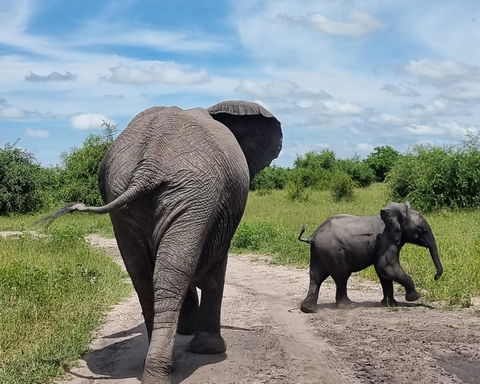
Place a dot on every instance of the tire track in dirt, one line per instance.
(270, 341)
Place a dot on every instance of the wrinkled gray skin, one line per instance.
(175, 183)
(343, 244)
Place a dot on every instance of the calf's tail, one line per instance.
(305, 240)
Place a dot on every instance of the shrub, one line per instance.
(381, 161)
(296, 189)
(359, 171)
(271, 177)
(316, 160)
(20, 186)
(80, 174)
(433, 178)
(314, 169)
(342, 186)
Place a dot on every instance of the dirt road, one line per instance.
(270, 341)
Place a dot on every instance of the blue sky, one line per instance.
(346, 75)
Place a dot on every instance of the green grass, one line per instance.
(272, 223)
(285, 218)
(54, 292)
(80, 223)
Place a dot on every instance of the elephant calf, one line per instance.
(343, 244)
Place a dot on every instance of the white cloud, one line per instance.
(39, 133)
(108, 33)
(364, 147)
(441, 72)
(464, 92)
(166, 72)
(386, 119)
(14, 14)
(400, 91)
(277, 89)
(424, 129)
(358, 24)
(52, 76)
(11, 112)
(85, 121)
(437, 107)
(450, 128)
(331, 107)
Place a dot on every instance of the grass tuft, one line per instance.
(53, 294)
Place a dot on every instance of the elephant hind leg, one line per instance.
(214, 258)
(137, 257)
(317, 277)
(181, 240)
(341, 297)
(207, 336)
(187, 322)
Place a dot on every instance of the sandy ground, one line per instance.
(270, 341)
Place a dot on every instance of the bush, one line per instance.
(311, 178)
(316, 160)
(269, 178)
(296, 189)
(80, 174)
(316, 170)
(381, 161)
(342, 186)
(21, 181)
(432, 178)
(359, 171)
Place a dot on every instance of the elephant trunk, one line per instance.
(432, 247)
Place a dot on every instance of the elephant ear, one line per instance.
(391, 220)
(399, 210)
(393, 215)
(257, 131)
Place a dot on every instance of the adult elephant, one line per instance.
(343, 244)
(175, 184)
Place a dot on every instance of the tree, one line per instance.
(316, 160)
(80, 174)
(381, 160)
(20, 181)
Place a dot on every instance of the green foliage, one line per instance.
(53, 294)
(432, 178)
(316, 160)
(358, 171)
(311, 178)
(20, 181)
(317, 169)
(271, 177)
(382, 160)
(51, 184)
(296, 189)
(342, 187)
(80, 175)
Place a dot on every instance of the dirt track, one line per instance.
(270, 341)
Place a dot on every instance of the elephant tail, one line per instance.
(305, 240)
(129, 195)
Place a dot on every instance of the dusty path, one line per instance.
(270, 341)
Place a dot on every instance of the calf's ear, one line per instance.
(391, 219)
